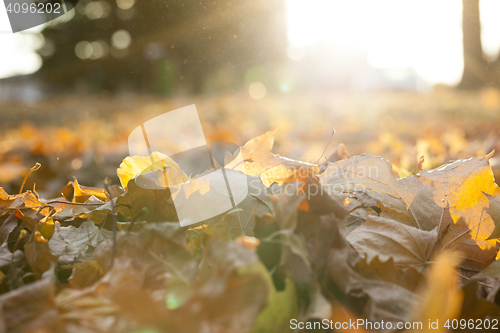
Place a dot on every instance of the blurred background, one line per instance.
(399, 79)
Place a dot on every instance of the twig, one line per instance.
(479, 282)
(75, 203)
(328, 144)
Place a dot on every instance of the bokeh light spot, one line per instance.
(121, 39)
(257, 90)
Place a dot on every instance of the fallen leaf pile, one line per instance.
(86, 136)
(344, 240)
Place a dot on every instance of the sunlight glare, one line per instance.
(490, 26)
(421, 34)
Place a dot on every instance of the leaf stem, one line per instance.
(326, 147)
(36, 167)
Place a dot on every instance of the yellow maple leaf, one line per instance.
(137, 165)
(256, 159)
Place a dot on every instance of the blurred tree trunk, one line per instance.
(476, 70)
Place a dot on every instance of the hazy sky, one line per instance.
(422, 34)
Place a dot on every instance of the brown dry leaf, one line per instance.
(133, 289)
(303, 233)
(156, 283)
(132, 167)
(229, 288)
(88, 311)
(7, 258)
(375, 299)
(85, 274)
(145, 204)
(313, 247)
(387, 271)
(165, 240)
(38, 254)
(31, 308)
(69, 212)
(9, 225)
(442, 299)
(286, 205)
(407, 246)
(138, 203)
(374, 176)
(450, 195)
(70, 241)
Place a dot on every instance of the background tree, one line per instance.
(475, 67)
(175, 45)
(478, 72)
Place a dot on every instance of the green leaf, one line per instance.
(282, 305)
